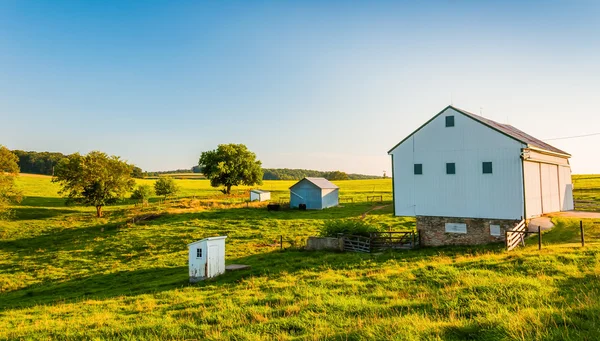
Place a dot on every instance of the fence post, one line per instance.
(412, 242)
(506, 239)
(281, 242)
(582, 233)
(539, 237)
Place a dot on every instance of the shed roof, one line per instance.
(209, 238)
(505, 129)
(259, 191)
(319, 182)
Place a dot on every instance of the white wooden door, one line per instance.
(533, 189)
(213, 260)
(550, 188)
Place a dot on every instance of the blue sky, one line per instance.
(319, 85)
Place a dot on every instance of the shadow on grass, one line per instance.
(341, 212)
(152, 280)
(101, 286)
(37, 213)
(43, 202)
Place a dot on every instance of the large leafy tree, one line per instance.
(231, 165)
(95, 179)
(9, 170)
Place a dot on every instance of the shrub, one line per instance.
(142, 192)
(165, 186)
(332, 228)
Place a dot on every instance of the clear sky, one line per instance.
(322, 85)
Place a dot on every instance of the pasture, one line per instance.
(65, 274)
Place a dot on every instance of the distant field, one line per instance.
(67, 275)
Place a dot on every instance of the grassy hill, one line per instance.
(67, 275)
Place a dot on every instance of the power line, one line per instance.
(571, 137)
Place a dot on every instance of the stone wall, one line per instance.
(432, 230)
(324, 243)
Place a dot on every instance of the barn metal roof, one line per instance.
(505, 129)
(319, 182)
(513, 132)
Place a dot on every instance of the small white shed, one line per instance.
(259, 195)
(206, 258)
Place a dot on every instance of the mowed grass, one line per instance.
(67, 275)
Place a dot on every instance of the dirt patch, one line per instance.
(364, 215)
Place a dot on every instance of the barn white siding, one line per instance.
(469, 192)
(403, 179)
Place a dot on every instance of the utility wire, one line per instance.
(571, 137)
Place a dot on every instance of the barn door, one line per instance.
(550, 188)
(533, 189)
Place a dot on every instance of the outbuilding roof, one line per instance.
(209, 238)
(259, 191)
(505, 129)
(319, 182)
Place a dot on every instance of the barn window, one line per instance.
(495, 230)
(198, 253)
(418, 168)
(487, 168)
(456, 228)
(450, 168)
(449, 121)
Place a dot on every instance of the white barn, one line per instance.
(206, 258)
(259, 195)
(467, 178)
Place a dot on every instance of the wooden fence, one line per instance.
(587, 205)
(393, 240)
(515, 236)
(357, 243)
(378, 241)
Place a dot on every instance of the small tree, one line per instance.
(9, 170)
(95, 179)
(142, 193)
(231, 165)
(165, 186)
(137, 172)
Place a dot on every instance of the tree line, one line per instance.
(45, 163)
(297, 174)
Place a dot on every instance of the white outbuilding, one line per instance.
(259, 195)
(206, 258)
(467, 178)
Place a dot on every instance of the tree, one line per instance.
(9, 170)
(165, 186)
(196, 169)
(142, 193)
(231, 165)
(95, 179)
(337, 175)
(137, 172)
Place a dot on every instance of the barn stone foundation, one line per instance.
(324, 243)
(432, 230)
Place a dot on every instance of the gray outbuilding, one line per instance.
(315, 193)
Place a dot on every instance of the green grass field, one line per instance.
(67, 275)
